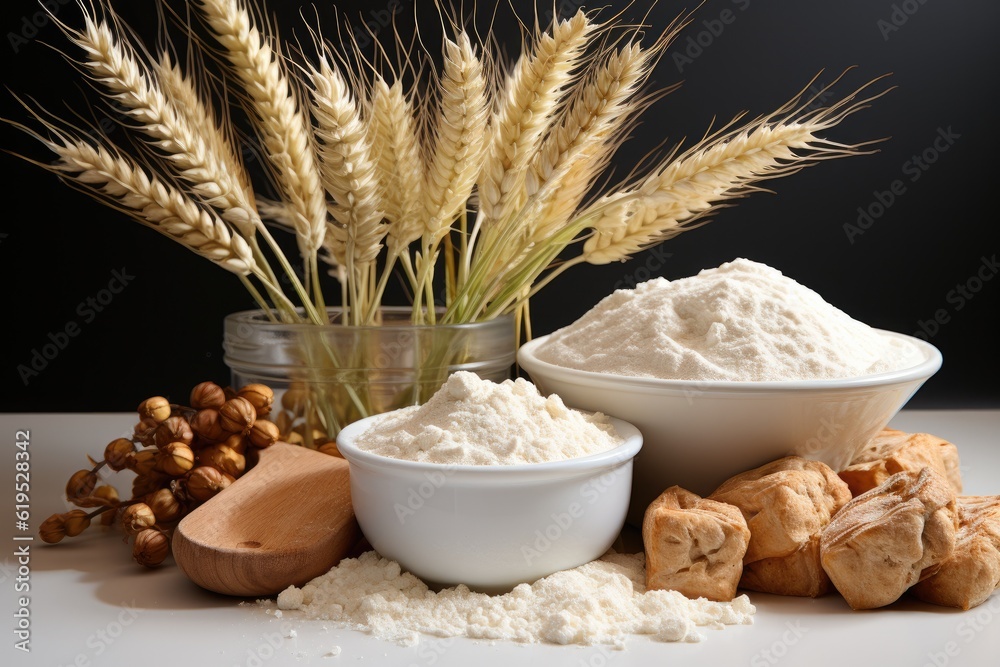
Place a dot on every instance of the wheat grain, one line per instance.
(346, 166)
(274, 106)
(393, 134)
(156, 204)
(459, 137)
(721, 167)
(114, 64)
(532, 94)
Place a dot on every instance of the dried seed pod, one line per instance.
(205, 482)
(208, 426)
(81, 485)
(295, 398)
(174, 429)
(238, 442)
(144, 430)
(108, 518)
(264, 433)
(261, 397)
(156, 408)
(107, 494)
(330, 448)
(137, 517)
(224, 459)
(175, 459)
(117, 452)
(151, 547)
(207, 395)
(52, 529)
(284, 421)
(145, 484)
(142, 461)
(237, 415)
(76, 521)
(165, 506)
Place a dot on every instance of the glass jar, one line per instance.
(325, 377)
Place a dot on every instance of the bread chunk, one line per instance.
(693, 545)
(893, 451)
(971, 573)
(786, 504)
(885, 540)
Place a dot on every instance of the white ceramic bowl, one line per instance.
(698, 434)
(490, 527)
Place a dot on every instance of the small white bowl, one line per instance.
(699, 434)
(490, 527)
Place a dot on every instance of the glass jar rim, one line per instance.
(257, 317)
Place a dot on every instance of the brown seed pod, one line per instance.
(156, 408)
(151, 547)
(107, 494)
(52, 529)
(144, 430)
(205, 482)
(264, 433)
(207, 395)
(81, 485)
(238, 442)
(76, 521)
(165, 506)
(208, 426)
(145, 484)
(142, 461)
(284, 421)
(237, 415)
(175, 459)
(117, 452)
(260, 396)
(137, 517)
(295, 398)
(174, 429)
(330, 448)
(224, 459)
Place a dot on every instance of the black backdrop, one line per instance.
(928, 251)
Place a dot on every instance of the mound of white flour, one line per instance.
(742, 321)
(601, 602)
(470, 421)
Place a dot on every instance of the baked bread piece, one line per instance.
(693, 545)
(887, 539)
(786, 504)
(893, 451)
(969, 576)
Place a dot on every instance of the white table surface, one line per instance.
(91, 605)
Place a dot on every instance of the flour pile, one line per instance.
(601, 602)
(470, 421)
(742, 321)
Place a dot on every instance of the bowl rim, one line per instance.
(932, 360)
(606, 460)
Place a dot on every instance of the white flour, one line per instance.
(742, 321)
(470, 421)
(601, 602)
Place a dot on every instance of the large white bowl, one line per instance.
(490, 527)
(698, 434)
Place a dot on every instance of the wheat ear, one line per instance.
(459, 137)
(115, 65)
(274, 107)
(118, 181)
(723, 166)
(393, 133)
(532, 94)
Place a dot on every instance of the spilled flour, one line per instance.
(601, 602)
(742, 321)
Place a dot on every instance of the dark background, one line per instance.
(162, 333)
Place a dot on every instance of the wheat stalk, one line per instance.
(284, 130)
(154, 203)
(723, 166)
(532, 95)
(395, 144)
(459, 137)
(114, 64)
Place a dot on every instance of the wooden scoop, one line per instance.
(286, 521)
